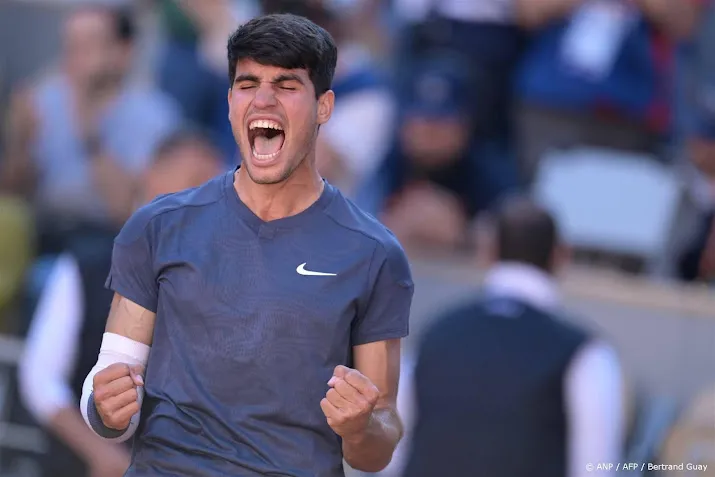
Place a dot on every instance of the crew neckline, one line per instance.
(257, 223)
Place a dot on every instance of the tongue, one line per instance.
(265, 146)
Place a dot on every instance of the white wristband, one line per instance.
(115, 349)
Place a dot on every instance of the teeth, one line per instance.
(264, 157)
(265, 124)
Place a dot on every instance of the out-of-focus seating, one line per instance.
(614, 202)
(16, 251)
(692, 439)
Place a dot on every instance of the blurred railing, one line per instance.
(14, 437)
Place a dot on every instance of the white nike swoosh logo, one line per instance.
(309, 273)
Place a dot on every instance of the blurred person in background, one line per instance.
(598, 73)
(184, 160)
(79, 140)
(360, 131)
(485, 34)
(695, 70)
(502, 385)
(697, 261)
(67, 328)
(192, 62)
(432, 183)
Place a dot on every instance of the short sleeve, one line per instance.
(132, 272)
(386, 313)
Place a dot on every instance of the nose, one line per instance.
(265, 96)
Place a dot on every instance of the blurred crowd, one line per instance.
(442, 108)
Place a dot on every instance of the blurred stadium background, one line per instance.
(442, 108)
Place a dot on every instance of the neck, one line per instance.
(284, 199)
(522, 281)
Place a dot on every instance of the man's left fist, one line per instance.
(350, 401)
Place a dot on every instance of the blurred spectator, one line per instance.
(78, 141)
(184, 160)
(68, 326)
(695, 70)
(598, 73)
(433, 183)
(485, 34)
(503, 386)
(698, 260)
(367, 22)
(351, 145)
(192, 67)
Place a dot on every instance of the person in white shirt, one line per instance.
(592, 386)
(62, 325)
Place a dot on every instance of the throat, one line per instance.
(277, 201)
(268, 144)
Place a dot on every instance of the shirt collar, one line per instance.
(522, 282)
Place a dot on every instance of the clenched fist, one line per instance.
(115, 394)
(350, 401)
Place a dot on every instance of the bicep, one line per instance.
(380, 363)
(130, 320)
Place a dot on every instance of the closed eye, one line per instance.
(288, 85)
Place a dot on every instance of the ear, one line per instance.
(326, 103)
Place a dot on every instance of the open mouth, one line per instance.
(266, 137)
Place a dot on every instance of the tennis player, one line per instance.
(256, 322)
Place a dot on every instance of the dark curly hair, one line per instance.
(286, 41)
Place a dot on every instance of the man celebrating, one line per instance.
(272, 308)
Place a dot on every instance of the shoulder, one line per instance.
(597, 354)
(597, 361)
(567, 328)
(388, 252)
(453, 320)
(166, 209)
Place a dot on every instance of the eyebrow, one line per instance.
(287, 77)
(246, 77)
(278, 79)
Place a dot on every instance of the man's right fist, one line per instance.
(115, 394)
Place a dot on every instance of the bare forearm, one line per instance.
(130, 320)
(373, 449)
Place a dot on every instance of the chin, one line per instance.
(259, 163)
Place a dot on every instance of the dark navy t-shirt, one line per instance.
(252, 318)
